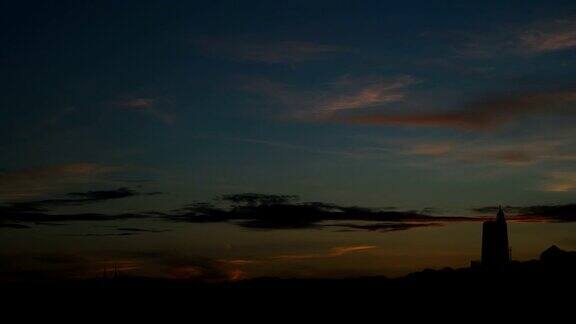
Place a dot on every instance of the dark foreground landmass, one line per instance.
(546, 280)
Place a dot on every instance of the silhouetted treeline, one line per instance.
(546, 280)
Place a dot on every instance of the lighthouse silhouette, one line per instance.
(495, 248)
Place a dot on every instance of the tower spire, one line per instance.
(495, 248)
(500, 216)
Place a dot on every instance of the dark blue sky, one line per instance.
(410, 104)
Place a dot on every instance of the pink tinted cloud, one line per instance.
(560, 182)
(356, 93)
(553, 36)
(340, 95)
(430, 149)
(334, 252)
(482, 116)
(150, 106)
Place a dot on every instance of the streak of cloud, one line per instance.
(482, 116)
(332, 253)
(150, 106)
(353, 93)
(271, 52)
(512, 153)
(32, 182)
(560, 182)
(553, 36)
(346, 93)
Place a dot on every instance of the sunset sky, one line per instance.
(430, 106)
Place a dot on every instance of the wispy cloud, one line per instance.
(234, 268)
(353, 93)
(238, 262)
(334, 252)
(346, 93)
(339, 251)
(539, 37)
(150, 106)
(560, 182)
(485, 115)
(288, 51)
(429, 149)
(80, 198)
(513, 153)
(552, 36)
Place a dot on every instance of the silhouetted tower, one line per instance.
(495, 249)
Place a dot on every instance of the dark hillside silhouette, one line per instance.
(553, 275)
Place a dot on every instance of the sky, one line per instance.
(376, 103)
(415, 105)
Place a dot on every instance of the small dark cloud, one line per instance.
(101, 234)
(494, 209)
(38, 181)
(16, 226)
(77, 199)
(558, 213)
(255, 199)
(104, 194)
(49, 224)
(39, 211)
(47, 217)
(386, 227)
(143, 230)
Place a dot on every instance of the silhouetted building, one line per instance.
(495, 249)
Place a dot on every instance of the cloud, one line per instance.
(346, 93)
(42, 217)
(353, 93)
(140, 230)
(526, 40)
(238, 261)
(73, 199)
(80, 198)
(264, 212)
(538, 213)
(38, 211)
(481, 116)
(519, 154)
(15, 226)
(549, 37)
(489, 149)
(430, 149)
(339, 251)
(32, 182)
(150, 106)
(332, 253)
(271, 52)
(561, 182)
(294, 215)
(388, 227)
